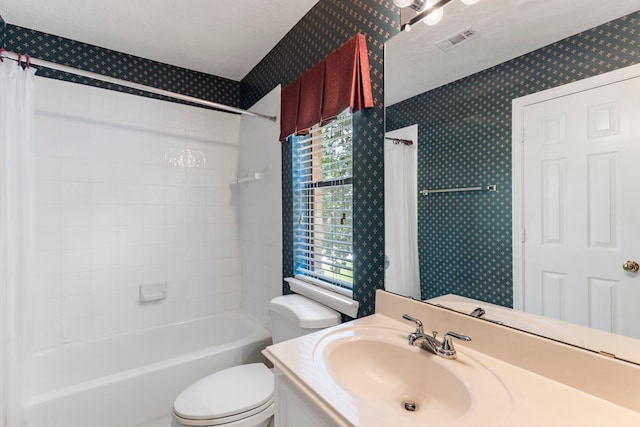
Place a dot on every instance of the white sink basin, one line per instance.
(406, 383)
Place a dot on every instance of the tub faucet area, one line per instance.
(443, 349)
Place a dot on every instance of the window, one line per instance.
(322, 200)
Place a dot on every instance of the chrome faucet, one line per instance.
(430, 342)
(478, 312)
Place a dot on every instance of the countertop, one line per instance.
(533, 400)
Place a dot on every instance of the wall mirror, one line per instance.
(453, 84)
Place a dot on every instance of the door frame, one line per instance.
(517, 160)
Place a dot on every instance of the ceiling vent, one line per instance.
(456, 39)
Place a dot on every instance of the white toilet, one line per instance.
(243, 396)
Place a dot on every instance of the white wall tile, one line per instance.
(47, 168)
(129, 320)
(76, 306)
(48, 238)
(153, 214)
(129, 256)
(48, 310)
(104, 171)
(129, 277)
(48, 137)
(174, 195)
(76, 193)
(104, 324)
(130, 214)
(104, 280)
(104, 215)
(153, 234)
(104, 302)
(75, 283)
(76, 215)
(129, 235)
(74, 261)
(104, 193)
(72, 169)
(47, 335)
(48, 192)
(122, 200)
(175, 117)
(153, 195)
(104, 236)
(104, 259)
(130, 194)
(128, 298)
(77, 238)
(76, 329)
(175, 175)
(48, 285)
(48, 262)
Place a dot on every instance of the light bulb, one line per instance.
(403, 3)
(469, 2)
(434, 17)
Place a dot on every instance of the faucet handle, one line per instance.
(446, 342)
(418, 323)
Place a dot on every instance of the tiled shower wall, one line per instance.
(130, 191)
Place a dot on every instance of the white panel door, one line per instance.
(581, 207)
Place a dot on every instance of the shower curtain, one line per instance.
(17, 227)
(401, 213)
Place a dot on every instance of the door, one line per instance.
(581, 207)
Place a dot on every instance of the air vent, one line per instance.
(456, 39)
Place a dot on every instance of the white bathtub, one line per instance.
(132, 379)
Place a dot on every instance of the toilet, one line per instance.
(243, 396)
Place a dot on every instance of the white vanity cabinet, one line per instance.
(294, 408)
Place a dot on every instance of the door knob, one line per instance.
(631, 266)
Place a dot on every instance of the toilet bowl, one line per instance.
(243, 396)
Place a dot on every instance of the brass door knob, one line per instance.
(631, 266)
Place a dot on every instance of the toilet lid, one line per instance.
(226, 393)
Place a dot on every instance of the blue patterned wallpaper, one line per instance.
(118, 65)
(465, 140)
(325, 28)
(2, 24)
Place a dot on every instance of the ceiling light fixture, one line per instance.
(428, 11)
(434, 17)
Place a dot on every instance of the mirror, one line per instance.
(460, 97)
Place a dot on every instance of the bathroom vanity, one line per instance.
(365, 373)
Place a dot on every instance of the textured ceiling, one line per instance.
(225, 38)
(506, 29)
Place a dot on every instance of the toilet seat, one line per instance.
(227, 396)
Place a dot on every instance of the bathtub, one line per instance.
(132, 379)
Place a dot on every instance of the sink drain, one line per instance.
(410, 406)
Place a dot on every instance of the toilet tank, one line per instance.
(291, 316)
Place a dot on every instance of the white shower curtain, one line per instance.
(17, 225)
(401, 213)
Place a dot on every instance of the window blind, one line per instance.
(322, 201)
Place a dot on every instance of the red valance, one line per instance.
(339, 82)
(311, 94)
(289, 109)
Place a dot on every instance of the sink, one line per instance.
(408, 384)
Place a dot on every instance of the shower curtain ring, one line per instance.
(1, 52)
(19, 59)
(28, 61)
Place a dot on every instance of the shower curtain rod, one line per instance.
(149, 89)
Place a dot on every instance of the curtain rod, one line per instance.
(149, 89)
